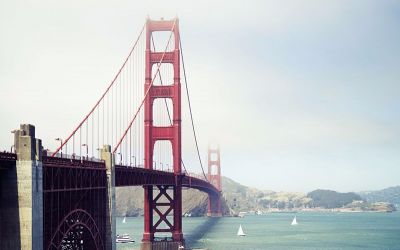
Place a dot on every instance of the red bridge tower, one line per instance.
(163, 203)
(214, 177)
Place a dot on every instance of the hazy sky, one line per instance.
(299, 94)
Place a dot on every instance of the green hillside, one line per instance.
(391, 195)
(331, 199)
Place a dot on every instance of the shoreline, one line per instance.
(289, 212)
(324, 210)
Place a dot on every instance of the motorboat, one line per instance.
(124, 238)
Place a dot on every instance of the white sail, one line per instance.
(124, 220)
(294, 222)
(240, 231)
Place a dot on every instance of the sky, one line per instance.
(299, 95)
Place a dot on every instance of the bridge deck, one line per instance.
(124, 175)
(134, 176)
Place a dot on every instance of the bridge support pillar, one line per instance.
(111, 227)
(161, 245)
(29, 187)
(214, 206)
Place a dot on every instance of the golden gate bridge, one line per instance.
(132, 136)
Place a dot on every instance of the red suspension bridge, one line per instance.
(132, 136)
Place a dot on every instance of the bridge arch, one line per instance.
(74, 227)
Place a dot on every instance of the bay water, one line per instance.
(273, 231)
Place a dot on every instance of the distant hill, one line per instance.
(239, 198)
(129, 202)
(391, 195)
(236, 198)
(331, 199)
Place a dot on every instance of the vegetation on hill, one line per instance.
(360, 206)
(331, 199)
(285, 200)
(239, 198)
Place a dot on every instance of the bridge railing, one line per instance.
(71, 156)
(197, 175)
(7, 156)
(167, 169)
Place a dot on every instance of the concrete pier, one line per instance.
(162, 245)
(22, 194)
(214, 206)
(111, 225)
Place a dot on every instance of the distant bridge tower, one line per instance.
(214, 177)
(163, 203)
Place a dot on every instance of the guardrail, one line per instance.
(7, 156)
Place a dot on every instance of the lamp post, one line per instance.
(120, 159)
(12, 146)
(87, 150)
(98, 152)
(61, 143)
(134, 159)
(47, 151)
(162, 169)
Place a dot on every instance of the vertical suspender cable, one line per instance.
(145, 95)
(166, 104)
(101, 98)
(190, 110)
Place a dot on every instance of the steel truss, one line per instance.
(74, 203)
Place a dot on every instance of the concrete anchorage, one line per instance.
(111, 230)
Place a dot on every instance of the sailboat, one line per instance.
(124, 220)
(294, 222)
(240, 231)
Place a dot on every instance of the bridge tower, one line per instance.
(162, 202)
(214, 177)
